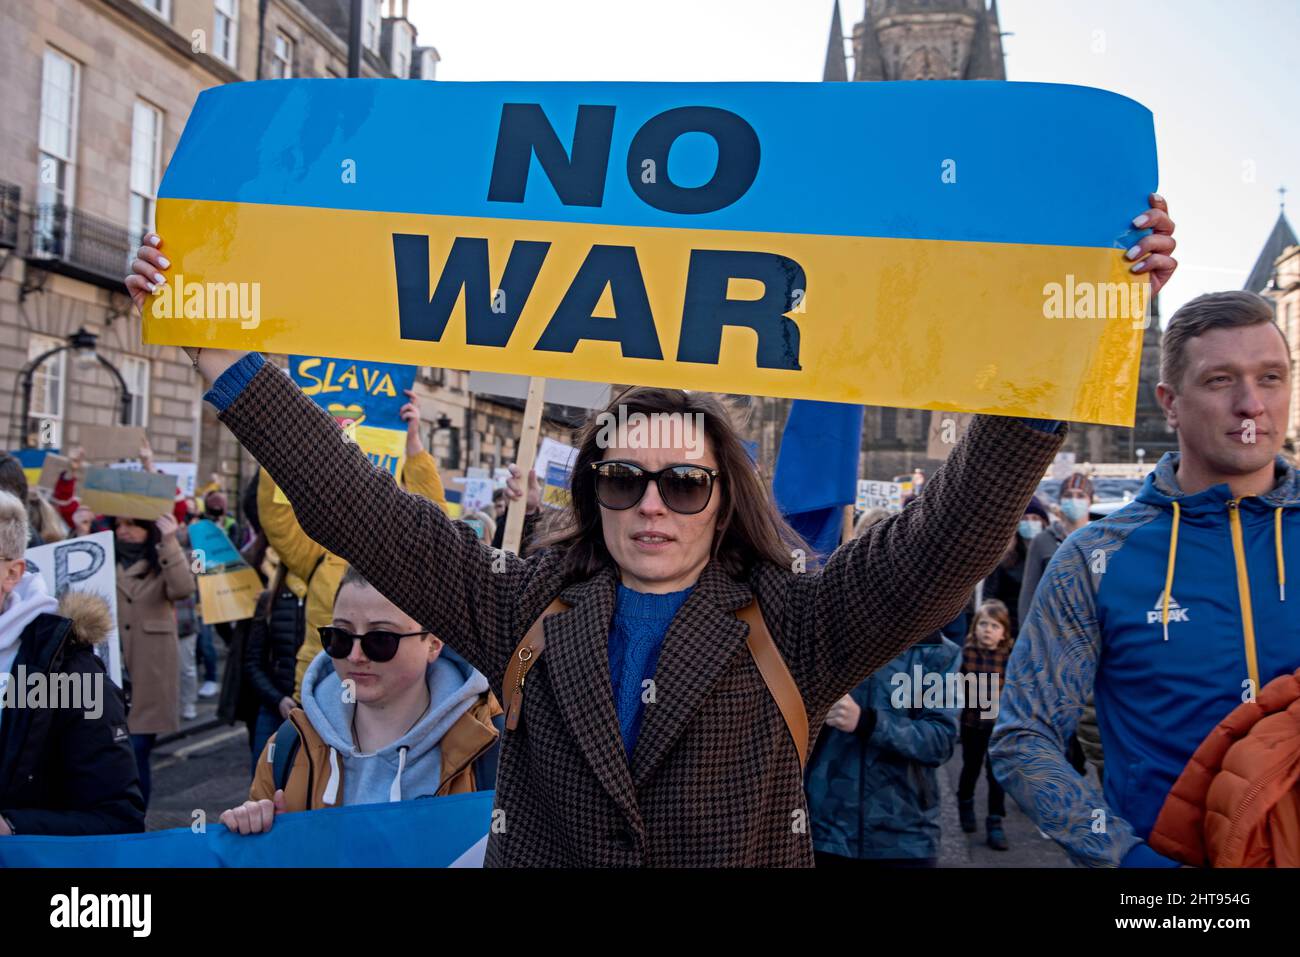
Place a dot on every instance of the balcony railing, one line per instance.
(65, 239)
(9, 206)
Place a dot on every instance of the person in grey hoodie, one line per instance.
(388, 714)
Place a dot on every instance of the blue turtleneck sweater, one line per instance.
(635, 640)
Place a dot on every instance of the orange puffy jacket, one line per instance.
(1237, 803)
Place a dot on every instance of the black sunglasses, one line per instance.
(377, 645)
(686, 489)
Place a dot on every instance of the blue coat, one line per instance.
(875, 795)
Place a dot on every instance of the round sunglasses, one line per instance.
(377, 645)
(686, 489)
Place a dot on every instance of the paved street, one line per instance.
(1028, 847)
(207, 770)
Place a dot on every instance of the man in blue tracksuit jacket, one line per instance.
(1172, 610)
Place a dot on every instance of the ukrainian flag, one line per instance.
(940, 245)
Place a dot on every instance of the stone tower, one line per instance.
(962, 40)
(928, 40)
(913, 40)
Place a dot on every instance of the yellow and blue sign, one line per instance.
(364, 398)
(942, 245)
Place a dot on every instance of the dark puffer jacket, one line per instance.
(62, 770)
(271, 654)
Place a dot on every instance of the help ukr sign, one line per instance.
(903, 244)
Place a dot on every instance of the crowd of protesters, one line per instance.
(697, 692)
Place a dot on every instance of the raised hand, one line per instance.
(1152, 254)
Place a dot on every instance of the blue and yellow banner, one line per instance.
(364, 398)
(942, 245)
(228, 585)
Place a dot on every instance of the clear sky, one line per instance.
(1221, 77)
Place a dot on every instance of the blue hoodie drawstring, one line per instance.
(1169, 573)
(395, 790)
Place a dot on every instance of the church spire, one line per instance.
(1282, 237)
(986, 48)
(835, 69)
(868, 58)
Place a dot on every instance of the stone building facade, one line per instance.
(98, 93)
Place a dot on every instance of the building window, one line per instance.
(160, 8)
(146, 163)
(370, 29)
(281, 57)
(46, 410)
(57, 144)
(135, 370)
(225, 31)
(888, 424)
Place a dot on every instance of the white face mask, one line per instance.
(1029, 527)
(1074, 509)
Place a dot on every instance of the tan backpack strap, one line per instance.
(522, 658)
(777, 677)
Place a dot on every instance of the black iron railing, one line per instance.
(97, 250)
(10, 195)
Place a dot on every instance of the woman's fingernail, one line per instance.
(157, 277)
(1158, 198)
(164, 262)
(153, 240)
(150, 285)
(1139, 267)
(1133, 253)
(1141, 220)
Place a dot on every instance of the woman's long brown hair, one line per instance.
(750, 527)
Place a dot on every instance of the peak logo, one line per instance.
(1176, 611)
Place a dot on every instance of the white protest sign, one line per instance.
(880, 495)
(477, 496)
(551, 451)
(85, 564)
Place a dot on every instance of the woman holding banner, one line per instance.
(662, 712)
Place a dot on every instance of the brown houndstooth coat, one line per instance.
(714, 779)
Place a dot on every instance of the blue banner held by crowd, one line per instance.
(430, 832)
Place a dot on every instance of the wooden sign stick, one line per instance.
(526, 455)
